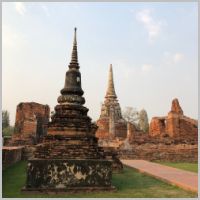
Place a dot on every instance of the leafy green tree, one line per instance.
(5, 119)
(7, 130)
(143, 121)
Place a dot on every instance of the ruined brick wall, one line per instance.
(30, 124)
(31, 118)
(174, 125)
(180, 126)
(121, 129)
(11, 155)
(133, 133)
(157, 126)
(162, 152)
(103, 128)
(188, 128)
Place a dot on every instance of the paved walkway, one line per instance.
(184, 179)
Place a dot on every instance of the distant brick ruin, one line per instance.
(170, 138)
(111, 123)
(174, 125)
(30, 124)
(30, 128)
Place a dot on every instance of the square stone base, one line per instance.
(62, 175)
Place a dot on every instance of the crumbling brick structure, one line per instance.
(69, 158)
(171, 138)
(174, 125)
(111, 123)
(31, 123)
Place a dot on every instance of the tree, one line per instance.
(143, 121)
(130, 115)
(5, 119)
(7, 130)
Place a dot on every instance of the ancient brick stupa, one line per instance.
(69, 159)
(111, 122)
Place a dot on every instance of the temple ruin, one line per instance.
(69, 158)
(111, 123)
(30, 124)
(175, 125)
(171, 138)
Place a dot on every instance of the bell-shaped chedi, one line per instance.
(69, 157)
(111, 122)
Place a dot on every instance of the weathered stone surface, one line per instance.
(31, 123)
(11, 155)
(69, 147)
(111, 123)
(157, 126)
(162, 152)
(21, 140)
(175, 125)
(133, 132)
(172, 138)
(181, 127)
(69, 157)
(32, 118)
(61, 174)
(111, 154)
(176, 108)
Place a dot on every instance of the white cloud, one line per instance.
(178, 57)
(46, 10)
(20, 8)
(152, 26)
(146, 67)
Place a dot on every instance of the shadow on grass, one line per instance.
(130, 183)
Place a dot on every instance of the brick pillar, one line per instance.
(111, 123)
(173, 125)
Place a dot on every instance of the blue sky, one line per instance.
(152, 46)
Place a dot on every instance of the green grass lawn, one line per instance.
(193, 167)
(130, 183)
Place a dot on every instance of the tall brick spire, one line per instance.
(111, 117)
(74, 57)
(111, 89)
(72, 79)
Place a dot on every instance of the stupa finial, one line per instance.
(111, 89)
(74, 58)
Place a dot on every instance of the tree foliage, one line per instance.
(130, 115)
(7, 130)
(143, 122)
(5, 119)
